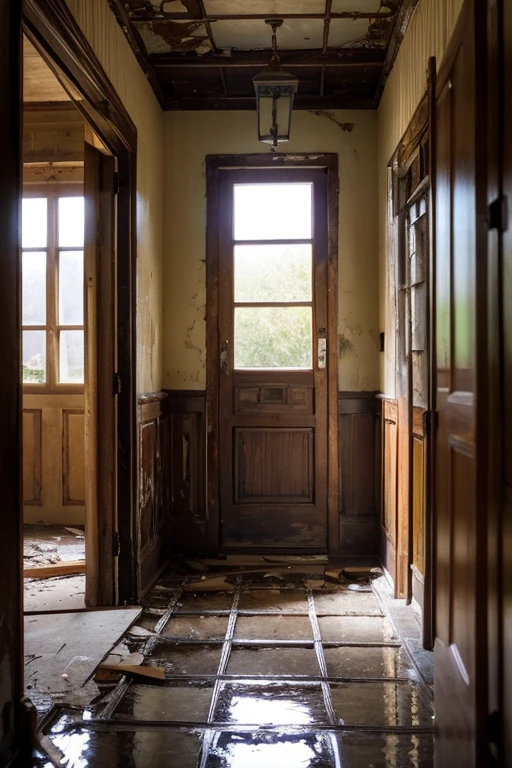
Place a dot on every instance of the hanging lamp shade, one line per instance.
(275, 90)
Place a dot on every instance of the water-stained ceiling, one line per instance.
(203, 54)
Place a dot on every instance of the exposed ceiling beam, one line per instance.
(219, 103)
(146, 17)
(358, 58)
(137, 46)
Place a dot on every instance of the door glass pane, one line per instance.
(71, 288)
(273, 273)
(34, 357)
(71, 222)
(273, 337)
(71, 357)
(34, 288)
(272, 211)
(34, 222)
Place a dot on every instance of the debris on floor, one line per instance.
(63, 650)
(274, 667)
(53, 567)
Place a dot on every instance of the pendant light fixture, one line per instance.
(275, 90)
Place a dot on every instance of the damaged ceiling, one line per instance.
(203, 54)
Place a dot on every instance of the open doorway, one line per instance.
(53, 341)
(78, 365)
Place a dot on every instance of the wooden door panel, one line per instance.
(274, 466)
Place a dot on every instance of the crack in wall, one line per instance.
(347, 127)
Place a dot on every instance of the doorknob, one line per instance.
(224, 357)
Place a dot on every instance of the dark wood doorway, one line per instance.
(111, 248)
(271, 368)
(464, 349)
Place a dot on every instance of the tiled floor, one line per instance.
(270, 674)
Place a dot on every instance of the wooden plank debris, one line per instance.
(65, 568)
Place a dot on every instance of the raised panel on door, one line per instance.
(274, 465)
(32, 469)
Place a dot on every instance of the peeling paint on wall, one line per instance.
(193, 135)
(348, 127)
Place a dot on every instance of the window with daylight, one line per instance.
(273, 275)
(53, 290)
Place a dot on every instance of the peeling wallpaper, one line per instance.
(428, 35)
(189, 137)
(108, 42)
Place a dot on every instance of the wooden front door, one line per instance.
(273, 332)
(461, 443)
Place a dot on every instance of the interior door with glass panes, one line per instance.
(53, 353)
(272, 325)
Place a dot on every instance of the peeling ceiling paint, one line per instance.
(202, 54)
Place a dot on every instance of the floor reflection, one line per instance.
(257, 677)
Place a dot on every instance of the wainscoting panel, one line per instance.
(73, 478)
(32, 457)
(389, 485)
(186, 411)
(152, 522)
(359, 473)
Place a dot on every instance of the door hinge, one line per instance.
(116, 544)
(497, 214)
(117, 183)
(117, 385)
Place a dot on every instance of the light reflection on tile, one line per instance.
(271, 704)
(284, 715)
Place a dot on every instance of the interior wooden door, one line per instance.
(461, 451)
(273, 333)
(100, 365)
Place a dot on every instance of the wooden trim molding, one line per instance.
(14, 734)
(50, 24)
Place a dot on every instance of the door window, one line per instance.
(273, 276)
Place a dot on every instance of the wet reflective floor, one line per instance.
(256, 676)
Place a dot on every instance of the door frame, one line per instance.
(52, 28)
(11, 584)
(214, 165)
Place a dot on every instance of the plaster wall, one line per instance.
(108, 42)
(189, 137)
(428, 34)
